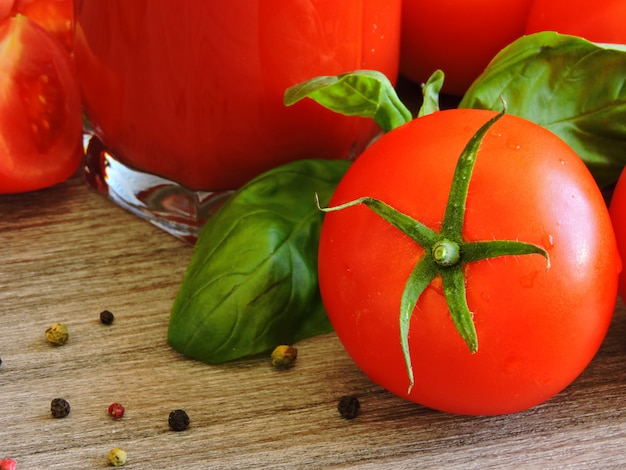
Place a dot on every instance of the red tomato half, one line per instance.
(618, 217)
(55, 16)
(40, 109)
(459, 37)
(5, 8)
(537, 328)
(602, 21)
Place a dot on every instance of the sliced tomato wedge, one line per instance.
(6, 6)
(40, 108)
(55, 16)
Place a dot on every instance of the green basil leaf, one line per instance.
(571, 86)
(430, 93)
(364, 93)
(252, 281)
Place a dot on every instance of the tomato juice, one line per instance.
(193, 90)
(459, 37)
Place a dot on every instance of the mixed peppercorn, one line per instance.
(117, 457)
(349, 406)
(178, 420)
(282, 356)
(60, 408)
(57, 334)
(8, 464)
(116, 410)
(106, 317)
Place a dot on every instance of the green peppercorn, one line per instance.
(178, 420)
(106, 317)
(60, 408)
(117, 457)
(57, 334)
(283, 356)
(349, 406)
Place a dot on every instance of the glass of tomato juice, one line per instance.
(185, 97)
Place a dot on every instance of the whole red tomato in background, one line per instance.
(537, 328)
(617, 210)
(603, 21)
(40, 108)
(457, 36)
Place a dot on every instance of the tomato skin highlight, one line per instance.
(40, 109)
(537, 328)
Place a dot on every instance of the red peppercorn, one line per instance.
(8, 464)
(116, 410)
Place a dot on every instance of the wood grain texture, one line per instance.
(66, 254)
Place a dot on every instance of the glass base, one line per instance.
(168, 205)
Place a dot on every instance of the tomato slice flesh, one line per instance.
(40, 110)
(55, 16)
(43, 104)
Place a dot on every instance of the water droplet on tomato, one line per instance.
(513, 144)
(528, 280)
(548, 241)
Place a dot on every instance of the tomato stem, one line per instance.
(446, 253)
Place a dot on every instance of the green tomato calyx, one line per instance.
(445, 252)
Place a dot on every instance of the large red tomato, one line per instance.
(40, 108)
(537, 326)
(459, 37)
(602, 21)
(618, 217)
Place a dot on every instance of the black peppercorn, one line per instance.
(349, 407)
(59, 408)
(178, 420)
(106, 317)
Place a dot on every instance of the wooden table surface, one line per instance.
(66, 254)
